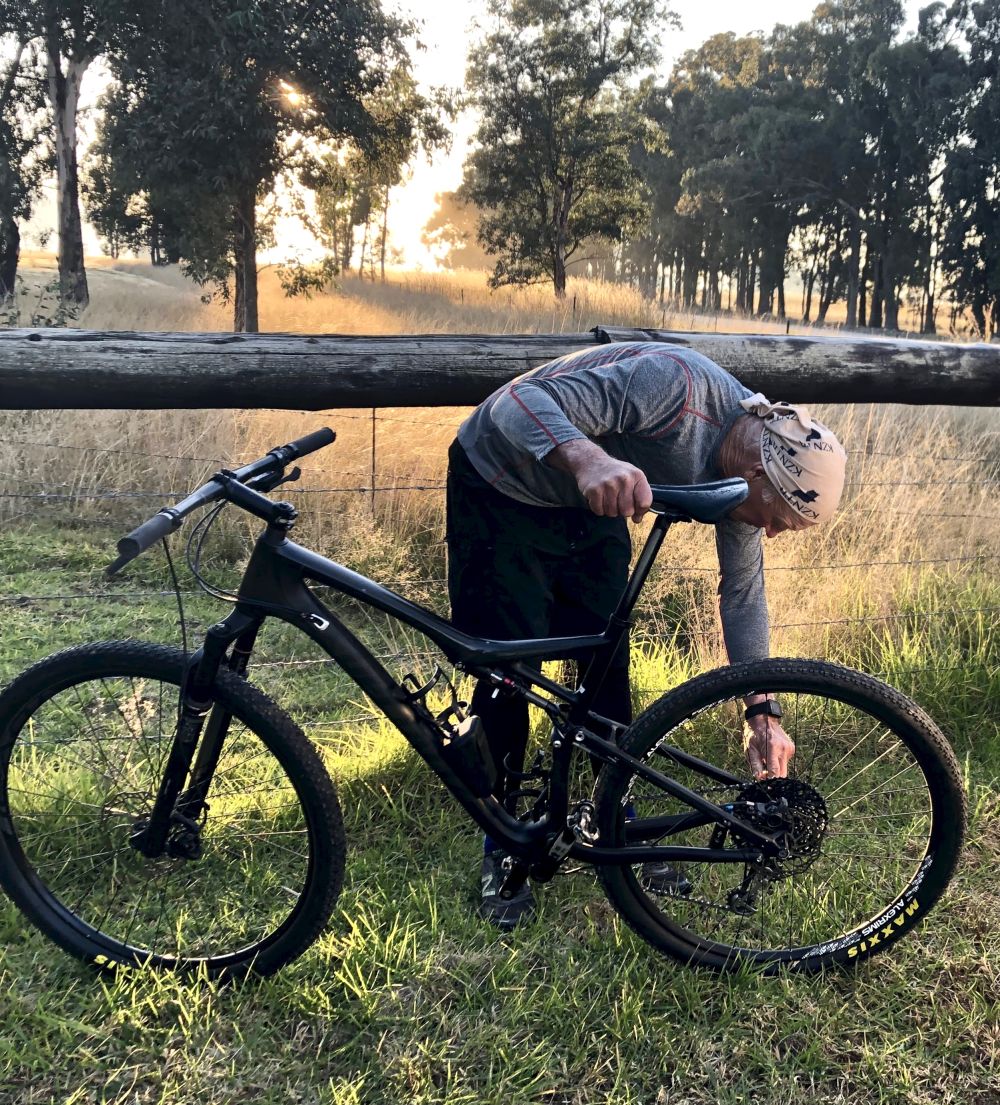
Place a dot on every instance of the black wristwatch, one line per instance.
(771, 707)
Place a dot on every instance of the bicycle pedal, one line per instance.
(515, 879)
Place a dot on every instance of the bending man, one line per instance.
(542, 478)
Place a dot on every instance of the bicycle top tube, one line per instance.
(265, 582)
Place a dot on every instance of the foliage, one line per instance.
(214, 100)
(351, 182)
(43, 305)
(71, 34)
(552, 170)
(453, 227)
(297, 278)
(971, 249)
(820, 147)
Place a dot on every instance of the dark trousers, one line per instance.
(521, 571)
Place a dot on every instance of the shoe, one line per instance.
(505, 914)
(664, 878)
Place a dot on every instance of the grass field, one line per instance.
(408, 998)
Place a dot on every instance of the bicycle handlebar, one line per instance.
(169, 518)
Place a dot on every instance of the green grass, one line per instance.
(409, 998)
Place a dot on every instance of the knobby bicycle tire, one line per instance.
(83, 739)
(874, 807)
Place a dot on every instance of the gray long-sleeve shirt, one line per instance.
(664, 409)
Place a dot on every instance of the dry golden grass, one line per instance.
(918, 482)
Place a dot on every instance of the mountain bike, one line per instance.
(157, 808)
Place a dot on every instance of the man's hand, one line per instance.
(769, 749)
(612, 488)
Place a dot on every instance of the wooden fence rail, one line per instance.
(61, 368)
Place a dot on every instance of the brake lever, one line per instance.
(267, 482)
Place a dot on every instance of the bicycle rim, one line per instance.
(871, 818)
(80, 767)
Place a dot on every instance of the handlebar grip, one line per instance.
(132, 544)
(310, 443)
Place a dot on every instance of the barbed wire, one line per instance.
(913, 615)
(102, 495)
(110, 496)
(442, 580)
(859, 452)
(844, 567)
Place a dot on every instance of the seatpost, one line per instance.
(618, 624)
(626, 604)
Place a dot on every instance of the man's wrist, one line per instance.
(761, 711)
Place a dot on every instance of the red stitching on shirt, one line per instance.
(534, 417)
(687, 408)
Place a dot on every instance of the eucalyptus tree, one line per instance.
(971, 185)
(22, 151)
(554, 80)
(124, 211)
(72, 34)
(352, 181)
(215, 96)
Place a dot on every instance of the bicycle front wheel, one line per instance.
(871, 818)
(84, 737)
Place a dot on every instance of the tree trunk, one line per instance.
(928, 317)
(929, 321)
(559, 271)
(715, 291)
(385, 234)
(809, 282)
(64, 93)
(853, 274)
(364, 250)
(10, 252)
(863, 290)
(891, 302)
(245, 319)
(875, 314)
(689, 291)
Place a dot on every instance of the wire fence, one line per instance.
(961, 496)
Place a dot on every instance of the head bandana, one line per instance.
(802, 457)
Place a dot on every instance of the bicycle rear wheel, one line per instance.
(84, 736)
(872, 815)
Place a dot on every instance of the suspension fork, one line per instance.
(192, 802)
(195, 705)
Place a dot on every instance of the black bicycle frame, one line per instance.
(275, 584)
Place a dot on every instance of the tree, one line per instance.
(553, 166)
(21, 159)
(215, 95)
(971, 184)
(72, 35)
(352, 183)
(453, 228)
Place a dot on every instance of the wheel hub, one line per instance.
(795, 814)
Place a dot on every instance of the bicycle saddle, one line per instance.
(704, 502)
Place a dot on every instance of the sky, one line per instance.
(446, 30)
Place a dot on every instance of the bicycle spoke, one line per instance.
(93, 757)
(875, 830)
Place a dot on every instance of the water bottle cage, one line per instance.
(447, 720)
(463, 746)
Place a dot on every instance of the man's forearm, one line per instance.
(611, 488)
(574, 456)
